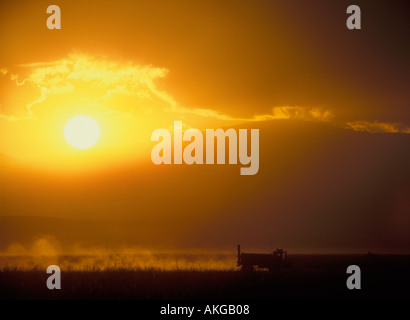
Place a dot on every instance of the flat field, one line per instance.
(308, 277)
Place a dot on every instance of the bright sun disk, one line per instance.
(82, 132)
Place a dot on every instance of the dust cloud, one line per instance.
(46, 250)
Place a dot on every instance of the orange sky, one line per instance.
(331, 104)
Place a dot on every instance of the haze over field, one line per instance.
(318, 188)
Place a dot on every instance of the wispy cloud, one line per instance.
(103, 80)
(375, 127)
(296, 113)
(80, 71)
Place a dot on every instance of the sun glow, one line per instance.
(82, 132)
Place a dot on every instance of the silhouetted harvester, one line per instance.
(272, 261)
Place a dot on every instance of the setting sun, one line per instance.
(82, 132)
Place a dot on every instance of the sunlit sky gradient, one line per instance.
(290, 68)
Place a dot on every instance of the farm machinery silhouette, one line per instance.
(273, 261)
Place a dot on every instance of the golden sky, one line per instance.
(202, 62)
(291, 68)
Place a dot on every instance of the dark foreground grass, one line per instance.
(309, 277)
